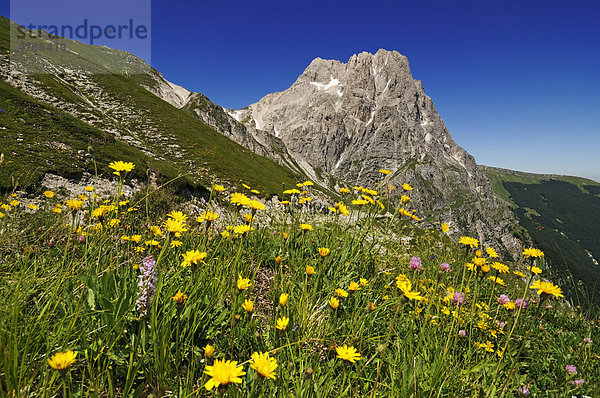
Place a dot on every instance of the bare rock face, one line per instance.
(351, 119)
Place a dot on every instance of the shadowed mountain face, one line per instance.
(564, 221)
(351, 119)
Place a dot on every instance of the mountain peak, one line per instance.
(351, 119)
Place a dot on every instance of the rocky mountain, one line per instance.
(351, 119)
(337, 125)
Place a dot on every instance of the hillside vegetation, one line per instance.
(562, 216)
(141, 296)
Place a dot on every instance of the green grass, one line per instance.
(67, 284)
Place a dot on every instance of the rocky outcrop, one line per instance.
(351, 119)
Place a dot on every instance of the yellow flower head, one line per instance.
(175, 226)
(89, 188)
(31, 206)
(497, 280)
(248, 305)
(283, 299)
(491, 252)
(242, 229)
(323, 251)
(385, 171)
(467, 241)
(344, 190)
(364, 282)
(531, 252)
(519, 273)
(487, 346)
(282, 323)
(255, 205)
(353, 286)
(306, 227)
(219, 188)
(209, 351)
(278, 259)
(243, 283)
(347, 353)
(239, 199)
(413, 295)
(343, 209)
(62, 360)
(445, 227)
(502, 268)
(407, 187)
(264, 364)
(334, 302)
(49, 194)
(156, 230)
(360, 202)
(479, 261)
(193, 257)
(341, 292)
(74, 204)
(120, 166)
(223, 372)
(403, 283)
(310, 270)
(178, 216)
(405, 199)
(547, 288)
(534, 270)
(179, 297)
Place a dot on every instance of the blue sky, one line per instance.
(516, 82)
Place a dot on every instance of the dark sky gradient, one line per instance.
(516, 82)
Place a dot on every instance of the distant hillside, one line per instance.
(63, 120)
(562, 216)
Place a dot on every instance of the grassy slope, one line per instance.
(499, 176)
(562, 216)
(204, 151)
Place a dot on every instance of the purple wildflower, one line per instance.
(587, 340)
(432, 257)
(521, 303)
(571, 369)
(458, 298)
(415, 264)
(577, 382)
(81, 239)
(523, 391)
(500, 324)
(445, 267)
(503, 299)
(462, 333)
(146, 285)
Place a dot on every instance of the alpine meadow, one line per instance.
(328, 240)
